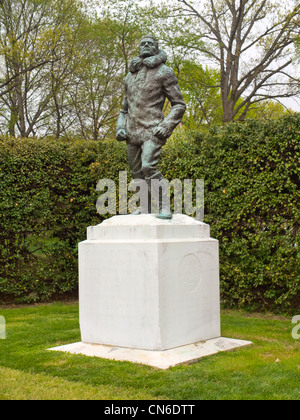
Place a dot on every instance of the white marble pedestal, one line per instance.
(149, 292)
(149, 284)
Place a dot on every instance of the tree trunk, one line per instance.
(20, 104)
(228, 111)
(13, 115)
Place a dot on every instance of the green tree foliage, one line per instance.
(200, 87)
(36, 37)
(63, 67)
(267, 110)
(109, 42)
(63, 63)
(297, 45)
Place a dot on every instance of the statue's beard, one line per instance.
(150, 61)
(148, 53)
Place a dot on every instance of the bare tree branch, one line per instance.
(236, 28)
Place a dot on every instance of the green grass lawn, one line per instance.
(270, 369)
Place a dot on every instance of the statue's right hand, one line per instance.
(121, 135)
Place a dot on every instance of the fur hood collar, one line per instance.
(151, 62)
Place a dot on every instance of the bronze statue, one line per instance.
(141, 121)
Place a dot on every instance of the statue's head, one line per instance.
(148, 46)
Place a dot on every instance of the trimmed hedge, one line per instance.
(47, 200)
(251, 173)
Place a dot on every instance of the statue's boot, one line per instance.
(164, 213)
(145, 203)
(162, 193)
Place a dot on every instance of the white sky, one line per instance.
(291, 103)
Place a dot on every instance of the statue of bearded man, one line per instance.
(141, 121)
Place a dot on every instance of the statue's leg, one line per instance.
(134, 156)
(150, 156)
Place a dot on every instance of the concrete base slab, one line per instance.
(159, 359)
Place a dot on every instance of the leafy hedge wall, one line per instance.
(252, 202)
(47, 199)
(254, 209)
(251, 173)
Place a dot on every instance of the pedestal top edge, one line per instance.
(148, 226)
(150, 219)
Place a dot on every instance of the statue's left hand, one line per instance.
(162, 133)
